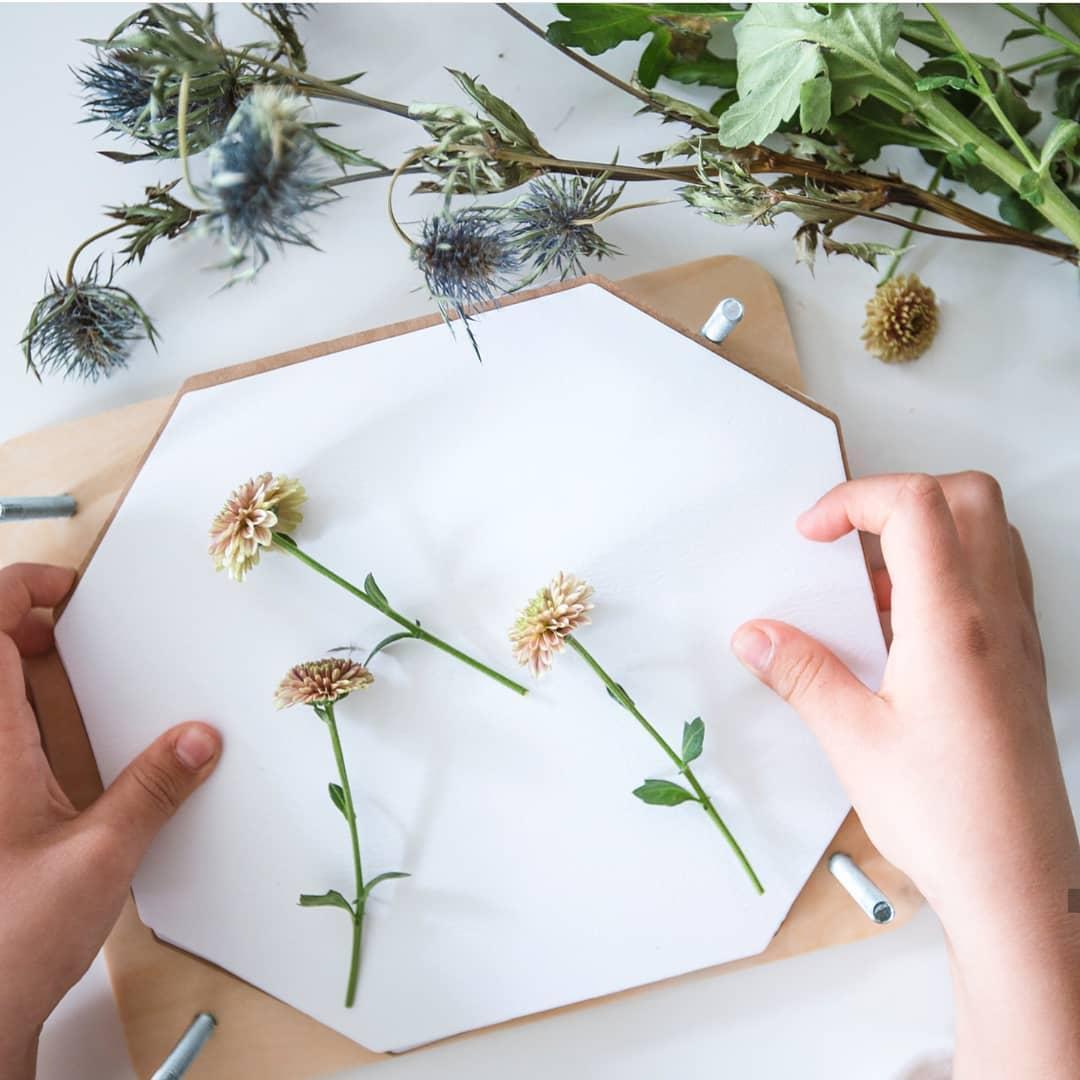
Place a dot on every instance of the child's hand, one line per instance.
(64, 875)
(952, 764)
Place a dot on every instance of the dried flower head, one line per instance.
(467, 257)
(321, 682)
(131, 100)
(553, 222)
(262, 178)
(84, 329)
(901, 320)
(251, 516)
(555, 612)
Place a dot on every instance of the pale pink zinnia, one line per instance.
(554, 613)
(321, 682)
(251, 515)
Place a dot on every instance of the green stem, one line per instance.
(624, 699)
(417, 631)
(350, 814)
(1042, 58)
(906, 235)
(1046, 31)
(974, 69)
(69, 275)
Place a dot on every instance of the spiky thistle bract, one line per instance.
(84, 329)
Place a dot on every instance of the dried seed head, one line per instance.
(251, 516)
(554, 613)
(85, 329)
(321, 682)
(901, 320)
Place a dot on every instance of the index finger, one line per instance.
(910, 513)
(25, 586)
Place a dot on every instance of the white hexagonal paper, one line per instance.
(592, 439)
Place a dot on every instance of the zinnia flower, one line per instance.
(554, 613)
(549, 222)
(262, 178)
(84, 328)
(321, 682)
(252, 514)
(901, 320)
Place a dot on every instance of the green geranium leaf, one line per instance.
(851, 49)
(599, 27)
(663, 793)
(707, 70)
(693, 740)
(927, 35)
(1020, 214)
(389, 875)
(327, 899)
(873, 125)
(656, 58)
(337, 797)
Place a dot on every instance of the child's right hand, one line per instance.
(952, 764)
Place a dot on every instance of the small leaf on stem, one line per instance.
(389, 875)
(327, 899)
(693, 739)
(337, 797)
(371, 587)
(664, 793)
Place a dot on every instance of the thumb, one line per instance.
(810, 678)
(154, 786)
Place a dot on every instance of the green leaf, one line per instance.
(387, 876)
(1061, 139)
(927, 35)
(337, 797)
(656, 58)
(815, 104)
(599, 27)
(371, 587)
(327, 899)
(707, 70)
(952, 82)
(1067, 93)
(1019, 34)
(388, 640)
(663, 793)
(1020, 214)
(782, 46)
(693, 740)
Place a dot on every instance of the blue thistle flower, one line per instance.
(84, 329)
(262, 177)
(548, 223)
(130, 100)
(467, 258)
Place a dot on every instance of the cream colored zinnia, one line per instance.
(554, 613)
(321, 682)
(251, 515)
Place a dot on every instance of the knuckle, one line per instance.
(799, 675)
(922, 488)
(161, 788)
(975, 634)
(982, 489)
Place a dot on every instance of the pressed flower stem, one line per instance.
(894, 263)
(326, 711)
(414, 628)
(624, 699)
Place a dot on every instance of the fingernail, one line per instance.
(753, 647)
(195, 747)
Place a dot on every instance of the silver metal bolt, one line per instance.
(861, 889)
(29, 509)
(185, 1051)
(725, 317)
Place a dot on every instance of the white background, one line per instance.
(1000, 391)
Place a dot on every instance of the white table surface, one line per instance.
(1000, 391)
